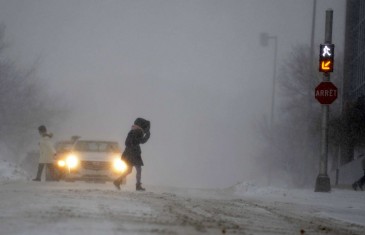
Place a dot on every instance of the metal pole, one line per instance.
(338, 164)
(337, 179)
(323, 181)
(313, 31)
(273, 83)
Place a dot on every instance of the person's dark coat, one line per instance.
(132, 152)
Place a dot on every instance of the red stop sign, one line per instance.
(326, 92)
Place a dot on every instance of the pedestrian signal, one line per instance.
(326, 55)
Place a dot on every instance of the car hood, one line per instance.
(96, 156)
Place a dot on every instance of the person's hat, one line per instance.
(143, 123)
(42, 129)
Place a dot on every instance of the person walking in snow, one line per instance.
(46, 154)
(359, 183)
(139, 134)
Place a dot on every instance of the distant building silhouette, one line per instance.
(354, 65)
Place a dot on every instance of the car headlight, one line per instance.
(119, 165)
(61, 163)
(72, 161)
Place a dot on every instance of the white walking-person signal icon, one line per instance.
(326, 51)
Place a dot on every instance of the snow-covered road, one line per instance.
(86, 208)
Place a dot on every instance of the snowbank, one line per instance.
(348, 173)
(251, 189)
(9, 171)
(341, 204)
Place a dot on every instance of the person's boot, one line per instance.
(117, 184)
(39, 172)
(139, 187)
(354, 186)
(360, 186)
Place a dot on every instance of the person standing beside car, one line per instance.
(139, 134)
(46, 154)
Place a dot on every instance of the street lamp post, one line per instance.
(264, 39)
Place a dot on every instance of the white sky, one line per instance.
(194, 68)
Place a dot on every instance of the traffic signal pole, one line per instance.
(323, 181)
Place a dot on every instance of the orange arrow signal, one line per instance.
(326, 65)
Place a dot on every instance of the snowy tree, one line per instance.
(24, 103)
(293, 142)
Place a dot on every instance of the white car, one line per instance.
(90, 160)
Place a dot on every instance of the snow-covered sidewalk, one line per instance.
(340, 204)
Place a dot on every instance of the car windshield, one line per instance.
(63, 146)
(96, 146)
